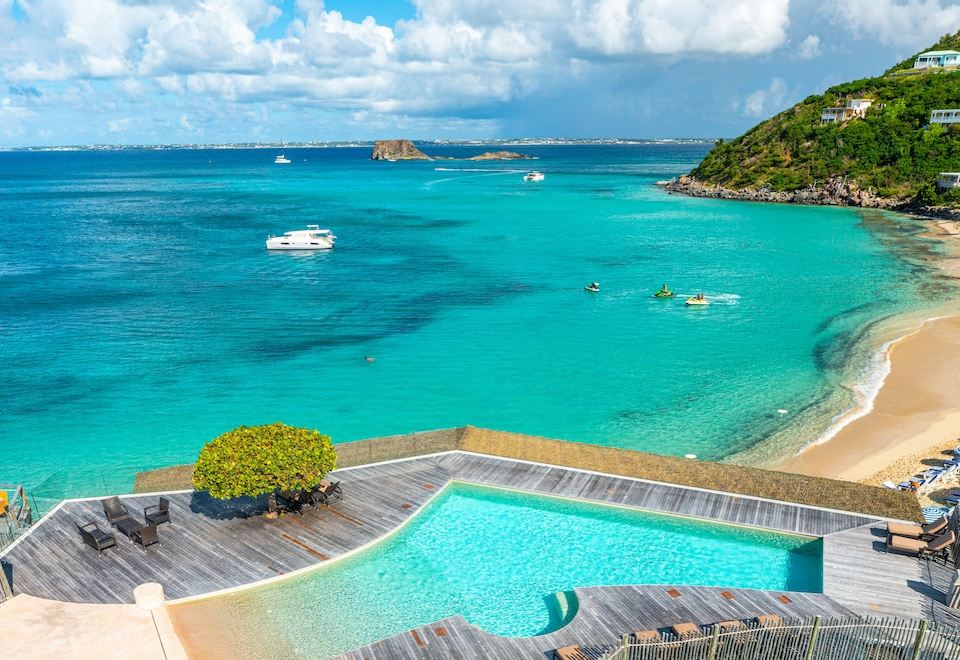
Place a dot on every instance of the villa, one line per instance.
(937, 59)
(948, 180)
(826, 574)
(948, 116)
(853, 108)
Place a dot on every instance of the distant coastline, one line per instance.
(353, 144)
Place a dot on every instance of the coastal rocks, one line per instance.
(501, 155)
(397, 150)
(835, 191)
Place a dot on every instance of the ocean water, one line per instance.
(497, 558)
(141, 316)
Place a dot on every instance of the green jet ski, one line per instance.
(664, 292)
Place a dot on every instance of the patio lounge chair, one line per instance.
(687, 629)
(912, 531)
(146, 535)
(291, 501)
(647, 636)
(938, 547)
(95, 537)
(326, 492)
(158, 513)
(572, 652)
(769, 619)
(114, 509)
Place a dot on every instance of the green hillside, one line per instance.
(891, 149)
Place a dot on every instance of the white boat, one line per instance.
(311, 238)
(533, 176)
(281, 160)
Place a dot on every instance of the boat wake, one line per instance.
(475, 169)
(713, 298)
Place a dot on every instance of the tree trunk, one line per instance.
(272, 509)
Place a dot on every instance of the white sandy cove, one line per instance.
(915, 413)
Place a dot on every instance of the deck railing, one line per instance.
(812, 639)
(16, 516)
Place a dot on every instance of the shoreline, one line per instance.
(909, 414)
(833, 192)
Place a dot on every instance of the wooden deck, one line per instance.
(605, 615)
(214, 545)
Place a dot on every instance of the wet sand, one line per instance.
(916, 414)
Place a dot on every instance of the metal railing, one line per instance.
(812, 639)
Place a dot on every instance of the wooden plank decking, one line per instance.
(214, 545)
(606, 614)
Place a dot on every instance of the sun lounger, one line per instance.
(326, 492)
(291, 501)
(115, 510)
(686, 629)
(646, 636)
(913, 531)
(95, 537)
(939, 546)
(769, 619)
(735, 624)
(572, 652)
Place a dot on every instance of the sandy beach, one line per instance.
(915, 417)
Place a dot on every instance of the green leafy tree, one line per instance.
(257, 460)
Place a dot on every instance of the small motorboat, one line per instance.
(311, 238)
(593, 287)
(698, 299)
(664, 292)
(533, 176)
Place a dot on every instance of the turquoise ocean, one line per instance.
(141, 315)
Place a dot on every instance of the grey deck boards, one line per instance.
(858, 572)
(214, 545)
(605, 615)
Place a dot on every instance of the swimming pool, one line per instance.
(497, 557)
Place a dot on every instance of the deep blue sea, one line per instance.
(141, 315)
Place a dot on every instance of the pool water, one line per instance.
(498, 558)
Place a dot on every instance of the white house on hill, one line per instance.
(937, 58)
(948, 180)
(948, 116)
(853, 108)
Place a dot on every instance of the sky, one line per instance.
(76, 72)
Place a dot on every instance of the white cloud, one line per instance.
(907, 23)
(684, 26)
(809, 47)
(185, 122)
(765, 101)
(119, 125)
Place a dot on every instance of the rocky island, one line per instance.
(397, 150)
(406, 150)
(501, 155)
(874, 143)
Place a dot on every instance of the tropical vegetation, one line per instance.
(892, 149)
(260, 460)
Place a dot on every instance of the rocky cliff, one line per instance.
(397, 150)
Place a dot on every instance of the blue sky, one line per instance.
(208, 71)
